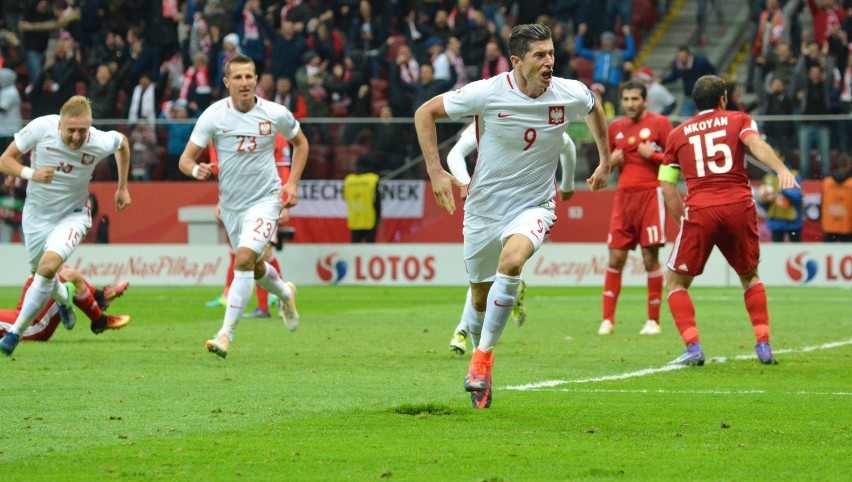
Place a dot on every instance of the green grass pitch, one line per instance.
(366, 389)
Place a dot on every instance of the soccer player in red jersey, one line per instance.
(709, 149)
(638, 217)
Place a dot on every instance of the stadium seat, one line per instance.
(585, 68)
(318, 165)
(346, 157)
(376, 106)
(379, 89)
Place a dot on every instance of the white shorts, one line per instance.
(255, 227)
(484, 239)
(61, 237)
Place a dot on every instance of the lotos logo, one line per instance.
(801, 269)
(331, 269)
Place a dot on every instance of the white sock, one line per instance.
(271, 281)
(474, 325)
(501, 300)
(241, 290)
(60, 291)
(463, 322)
(37, 296)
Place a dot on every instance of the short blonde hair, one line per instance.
(76, 106)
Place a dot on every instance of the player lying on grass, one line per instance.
(90, 300)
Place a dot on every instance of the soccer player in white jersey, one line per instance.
(520, 117)
(242, 129)
(458, 168)
(64, 149)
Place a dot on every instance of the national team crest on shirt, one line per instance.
(557, 115)
(88, 159)
(645, 133)
(265, 128)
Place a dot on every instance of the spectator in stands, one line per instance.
(288, 47)
(620, 9)
(143, 61)
(844, 127)
(13, 192)
(265, 86)
(827, 15)
(688, 67)
(112, 51)
(608, 60)
(65, 68)
(327, 43)
(813, 100)
(143, 102)
(143, 152)
(660, 100)
(295, 12)
(473, 44)
(11, 51)
(389, 142)
(780, 134)
(230, 49)
(289, 99)
(367, 35)
(361, 107)
(770, 33)
(162, 22)
(43, 95)
(439, 27)
(403, 77)
(451, 60)
(102, 91)
(251, 26)
(701, 19)
(778, 64)
(178, 134)
(196, 91)
(837, 203)
(434, 51)
(495, 63)
(200, 40)
(10, 107)
(429, 86)
(35, 41)
(309, 82)
(784, 217)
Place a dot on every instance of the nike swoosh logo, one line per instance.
(501, 115)
(225, 131)
(503, 306)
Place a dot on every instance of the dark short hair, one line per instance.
(707, 92)
(238, 59)
(522, 35)
(634, 84)
(684, 48)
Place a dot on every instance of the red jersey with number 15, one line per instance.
(709, 151)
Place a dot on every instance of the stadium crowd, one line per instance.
(149, 65)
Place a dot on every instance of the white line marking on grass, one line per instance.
(695, 392)
(668, 368)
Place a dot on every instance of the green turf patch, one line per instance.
(423, 409)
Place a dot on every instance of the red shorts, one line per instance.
(638, 217)
(731, 227)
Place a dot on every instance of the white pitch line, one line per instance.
(668, 368)
(697, 392)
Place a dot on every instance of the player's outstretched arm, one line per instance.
(568, 160)
(188, 166)
(596, 120)
(442, 181)
(122, 160)
(290, 189)
(764, 153)
(10, 166)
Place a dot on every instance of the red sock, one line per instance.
(24, 293)
(683, 312)
(229, 278)
(655, 293)
(755, 301)
(87, 304)
(612, 288)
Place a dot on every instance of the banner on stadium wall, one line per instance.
(408, 264)
(324, 199)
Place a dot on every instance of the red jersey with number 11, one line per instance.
(709, 151)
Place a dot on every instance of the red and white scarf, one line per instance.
(285, 10)
(250, 30)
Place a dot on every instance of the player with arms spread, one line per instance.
(638, 217)
(520, 117)
(709, 149)
(243, 128)
(65, 150)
